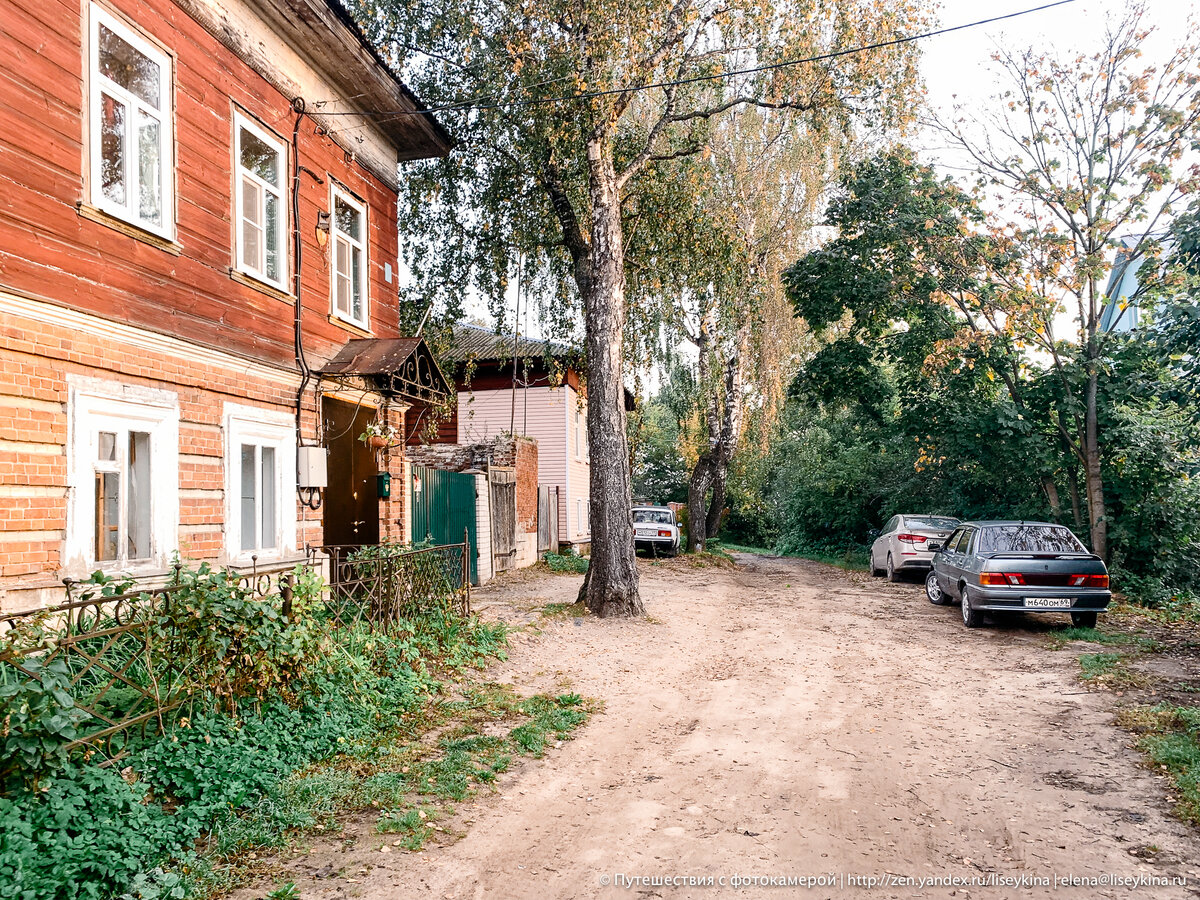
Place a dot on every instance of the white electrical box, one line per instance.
(311, 467)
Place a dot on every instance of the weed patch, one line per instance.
(568, 564)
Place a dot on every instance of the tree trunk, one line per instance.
(1073, 483)
(1094, 483)
(1051, 490)
(698, 487)
(611, 585)
(716, 505)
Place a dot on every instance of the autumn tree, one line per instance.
(1089, 155)
(567, 113)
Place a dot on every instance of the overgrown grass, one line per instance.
(182, 811)
(1062, 636)
(1170, 738)
(853, 559)
(1109, 670)
(566, 564)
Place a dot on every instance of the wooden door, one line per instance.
(503, 484)
(352, 496)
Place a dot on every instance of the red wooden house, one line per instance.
(197, 285)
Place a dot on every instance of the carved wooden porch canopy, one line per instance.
(403, 368)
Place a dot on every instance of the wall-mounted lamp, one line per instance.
(322, 228)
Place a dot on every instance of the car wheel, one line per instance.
(1084, 619)
(875, 573)
(972, 618)
(934, 591)
(892, 575)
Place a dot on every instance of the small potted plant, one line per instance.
(378, 436)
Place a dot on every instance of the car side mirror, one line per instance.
(873, 533)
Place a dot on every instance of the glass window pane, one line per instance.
(149, 170)
(112, 149)
(268, 499)
(249, 498)
(252, 236)
(108, 506)
(138, 510)
(123, 65)
(259, 157)
(108, 446)
(272, 238)
(347, 218)
(356, 310)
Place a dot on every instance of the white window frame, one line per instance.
(337, 192)
(263, 428)
(578, 438)
(100, 406)
(243, 122)
(165, 115)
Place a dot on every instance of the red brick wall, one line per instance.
(33, 429)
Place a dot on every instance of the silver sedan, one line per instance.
(907, 543)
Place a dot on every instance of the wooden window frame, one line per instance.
(165, 114)
(338, 192)
(242, 121)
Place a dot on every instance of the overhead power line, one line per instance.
(486, 103)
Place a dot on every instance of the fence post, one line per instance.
(467, 567)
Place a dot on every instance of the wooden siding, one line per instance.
(55, 253)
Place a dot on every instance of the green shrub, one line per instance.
(38, 719)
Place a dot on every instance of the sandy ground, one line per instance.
(786, 719)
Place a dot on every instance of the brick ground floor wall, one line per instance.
(48, 355)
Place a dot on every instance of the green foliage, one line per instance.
(1094, 665)
(566, 564)
(39, 719)
(1171, 740)
(220, 776)
(287, 891)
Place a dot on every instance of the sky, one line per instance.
(958, 68)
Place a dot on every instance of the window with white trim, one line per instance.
(348, 235)
(260, 474)
(131, 130)
(124, 474)
(261, 209)
(578, 439)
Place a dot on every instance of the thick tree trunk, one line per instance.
(611, 585)
(1094, 482)
(1051, 490)
(716, 505)
(698, 487)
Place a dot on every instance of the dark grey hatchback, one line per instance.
(1018, 567)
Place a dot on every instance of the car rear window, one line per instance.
(653, 516)
(936, 522)
(1029, 539)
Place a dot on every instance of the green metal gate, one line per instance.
(443, 507)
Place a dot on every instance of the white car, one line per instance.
(655, 529)
(907, 543)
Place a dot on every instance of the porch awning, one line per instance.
(399, 367)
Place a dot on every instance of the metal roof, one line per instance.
(485, 345)
(401, 366)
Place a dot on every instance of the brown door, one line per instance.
(351, 497)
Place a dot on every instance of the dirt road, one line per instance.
(785, 719)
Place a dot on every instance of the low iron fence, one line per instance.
(381, 584)
(102, 646)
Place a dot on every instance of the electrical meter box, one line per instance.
(384, 482)
(311, 471)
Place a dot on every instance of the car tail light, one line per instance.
(1091, 581)
(911, 538)
(664, 534)
(1002, 579)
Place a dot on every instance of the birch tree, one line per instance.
(1095, 149)
(567, 112)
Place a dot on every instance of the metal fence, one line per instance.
(106, 646)
(380, 585)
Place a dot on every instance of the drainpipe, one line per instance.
(310, 497)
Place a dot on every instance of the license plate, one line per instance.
(642, 532)
(1049, 602)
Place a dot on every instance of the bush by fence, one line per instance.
(210, 691)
